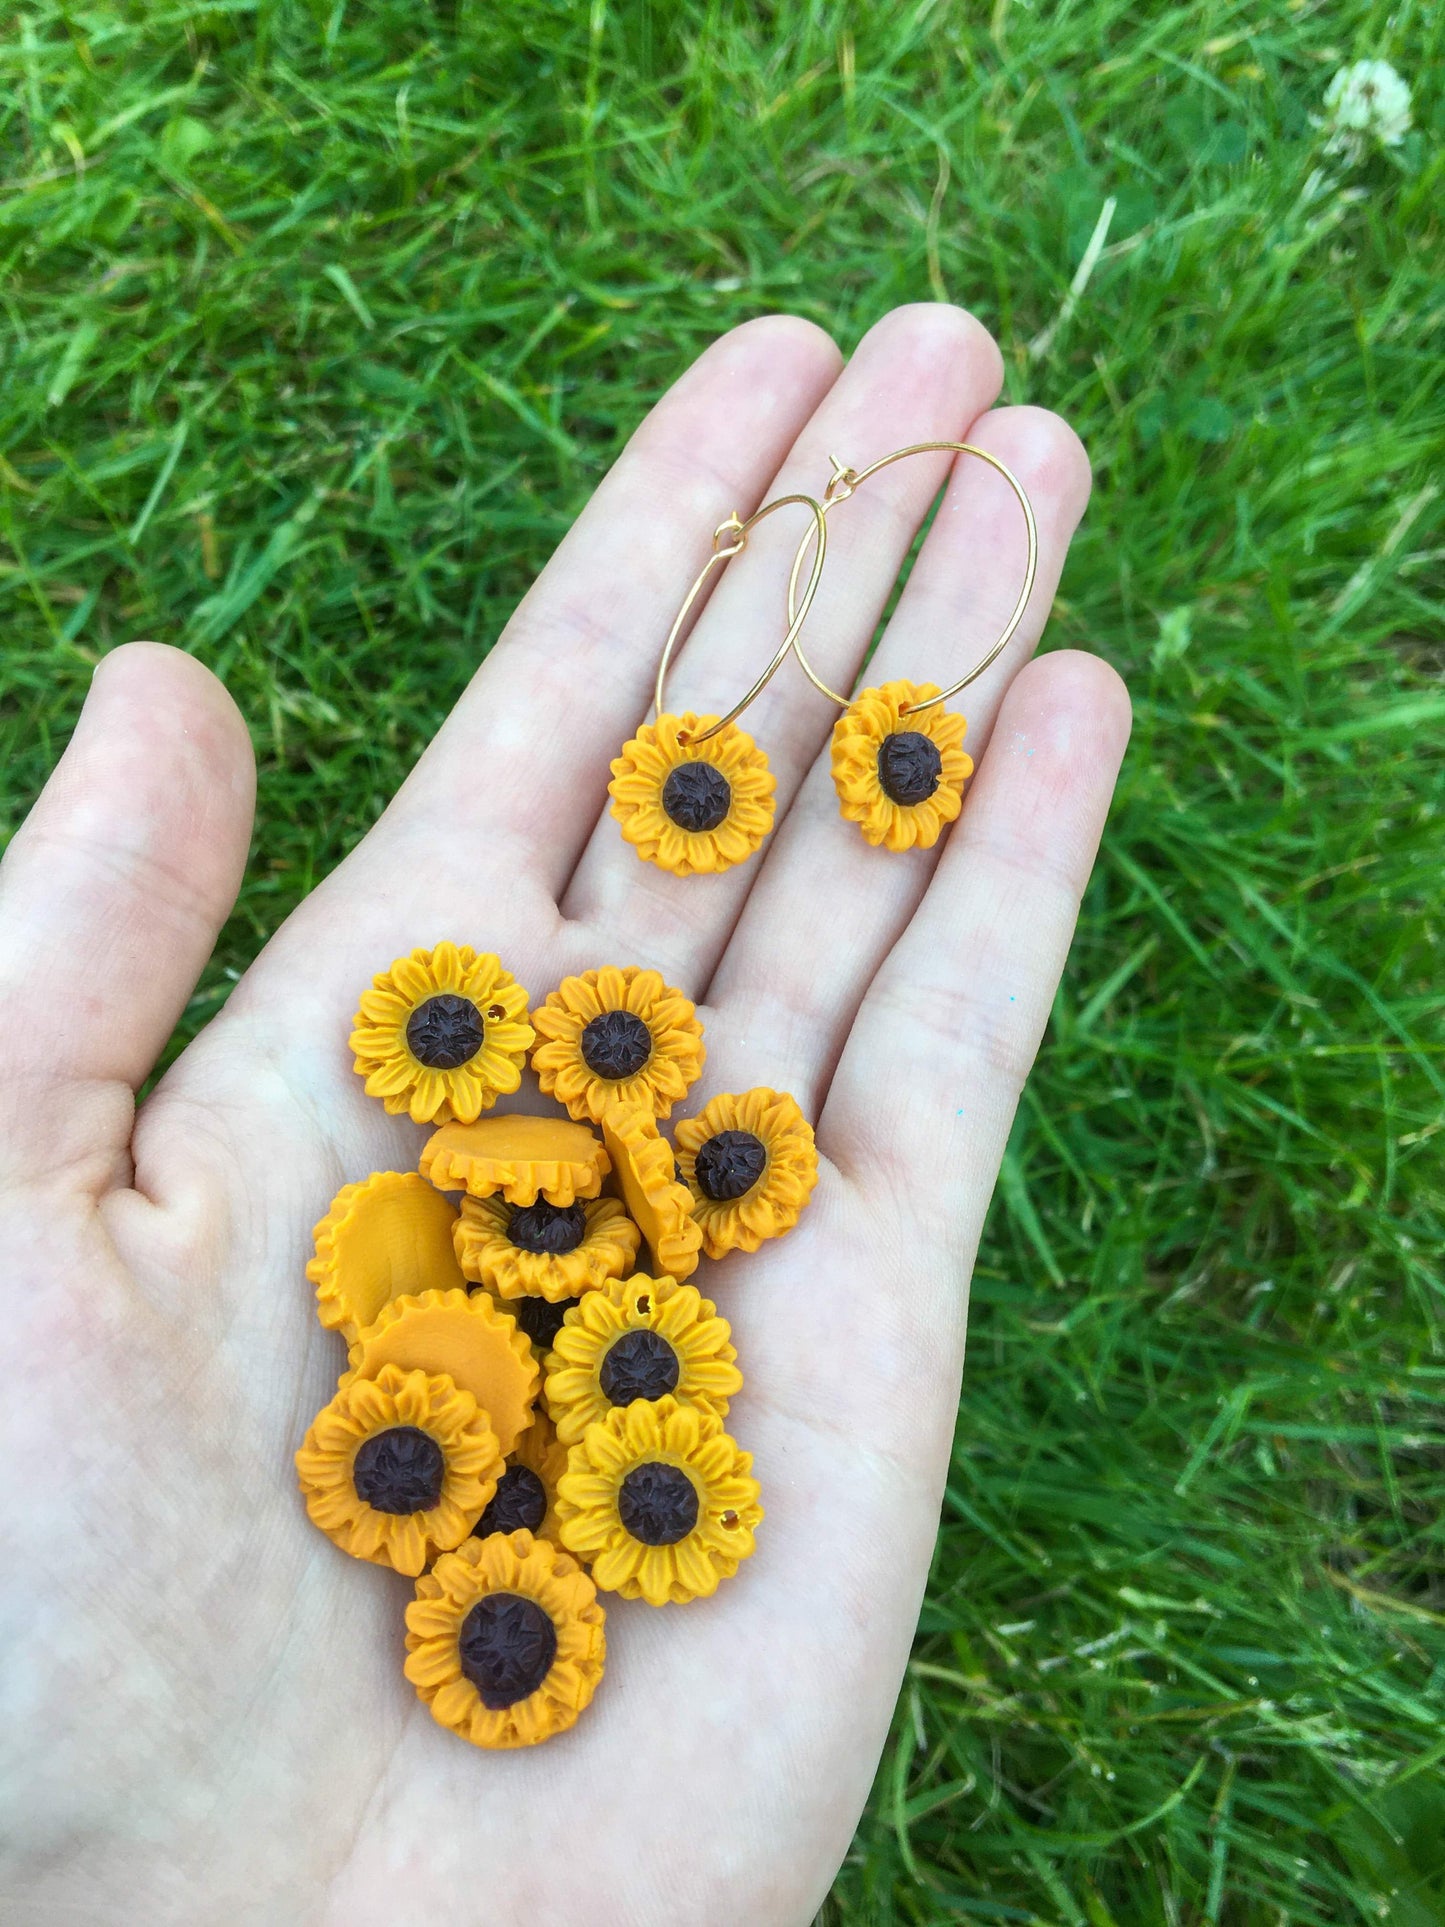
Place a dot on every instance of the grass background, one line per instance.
(321, 322)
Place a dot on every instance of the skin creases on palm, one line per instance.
(204, 1716)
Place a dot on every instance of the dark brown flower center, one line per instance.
(519, 1504)
(640, 1365)
(909, 767)
(696, 796)
(540, 1320)
(506, 1648)
(552, 1229)
(445, 1032)
(657, 1503)
(617, 1044)
(729, 1164)
(399, 1470)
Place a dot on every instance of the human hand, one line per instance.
(203, 1712)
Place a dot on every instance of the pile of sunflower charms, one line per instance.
(532, 1411)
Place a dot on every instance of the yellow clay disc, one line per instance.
(522, 1158)
(469, 1340)
(657, 1203)
(388, 1237)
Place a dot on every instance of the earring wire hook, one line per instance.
(729, 539)
(841, 484)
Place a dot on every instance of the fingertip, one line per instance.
(1045, 453)
(151, 688)
(784, 363)
(1045, 785)
(1070, 689)
(943, 332)
(180, 686)
(132, 855)
(734, 410)
(792, 336)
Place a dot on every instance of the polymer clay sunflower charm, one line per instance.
(645, 1172)
(692, 807)
(441, 1034)
(639, 1338)
(519, 1158)
(386, 1237)
(618, 1035)
(661, 1501)
(505, 1640)
(397, 1464)
(750, 1163)
(466, 1336)
(900, 776)
(526, 1496)
(551, 1251)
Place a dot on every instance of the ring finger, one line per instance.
(821, 877)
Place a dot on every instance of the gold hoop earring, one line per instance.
(694, 794)
(899, 764)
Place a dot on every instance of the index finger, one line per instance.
(523, 757)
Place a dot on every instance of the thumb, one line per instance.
(111, 896)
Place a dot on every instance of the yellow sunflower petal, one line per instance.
(782, 1150)
(639, 782)
(417, 1459)
(617, 1035)
(518, 1649)
(669, 1449)
(437, 1024)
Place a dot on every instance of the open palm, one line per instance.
(203, 1715)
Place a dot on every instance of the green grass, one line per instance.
(320, 324)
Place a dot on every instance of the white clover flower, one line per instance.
(1365, 101)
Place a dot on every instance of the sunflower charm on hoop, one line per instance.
(690, 800)
(694, 794)
(899, 768)
(899, 765)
